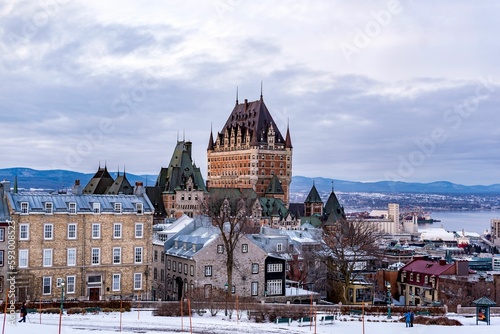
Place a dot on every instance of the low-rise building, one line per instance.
(94, 247)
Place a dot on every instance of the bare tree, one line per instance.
(227, 210)
(349, 246)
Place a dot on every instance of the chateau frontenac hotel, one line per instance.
(251, 152)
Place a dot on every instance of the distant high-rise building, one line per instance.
(250, 152)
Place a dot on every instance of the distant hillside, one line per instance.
(28, 178)
(301, 183)
(63, 179)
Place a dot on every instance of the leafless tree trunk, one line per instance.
(348, 246)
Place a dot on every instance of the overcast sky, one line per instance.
(372, 90)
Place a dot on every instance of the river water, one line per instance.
(470, 221)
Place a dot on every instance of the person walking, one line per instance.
(407, 316)
(412, 316)
(23, 313)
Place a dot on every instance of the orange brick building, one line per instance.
(249, 151)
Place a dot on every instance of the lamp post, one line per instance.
(62, 295)
(226, 290)
(389, 300)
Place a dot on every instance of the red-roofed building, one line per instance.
(418, 281)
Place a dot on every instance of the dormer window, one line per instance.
(176, 244)
(96, 208)
(72, 208)
(139, 208)
(118, 207)
(426, 279)
(24, 208)
(48, 208)
(411, 277)
(193, 248)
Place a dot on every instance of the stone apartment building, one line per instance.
(5, 231)
(99, 246)
(195, 258)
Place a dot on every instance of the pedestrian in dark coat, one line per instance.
(23, 313)
(412, 316)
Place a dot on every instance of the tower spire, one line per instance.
(261, 89)
(236, 95)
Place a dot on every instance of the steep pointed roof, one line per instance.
(272, 207)
(333, 209)
(288, 140)
(255, 118)
(121, 185)
(180, 169)
(99, 183)
(313, 196)
(211, 142)
(274, 187)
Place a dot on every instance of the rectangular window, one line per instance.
(180, 267)
(116, 282)
(279, 247)
(24, 208)
(96, 231)
(255, 288)
(138, 230)
(191, 270)
(174, 266)
(117, 230)
(155, 273)
(220, 249)
(96, 256)
(274, 287)
(139, 208)
(208, 271)
(70, 284)
(47, 257)
(48, 231)
(72, 208)
(255, 268)
(117, 255)
(2, 234)
(185, 269)
(118, 207)
(24, 232)
(168, 264)
(71, 260)
(155, 257)
(1, 259)
(71, 231)
(274, 267)
(137, 281)
(138, 254)
(162, 275)
(162, 257)
(48, 208)
(244, 248)
(47, 285)
(96, 208)
(23, 258)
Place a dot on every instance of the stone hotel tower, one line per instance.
(249, 151)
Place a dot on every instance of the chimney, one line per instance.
(138, 189)
(4, 188)
(442, 262)
(77, 189)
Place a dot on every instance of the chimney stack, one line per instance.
(77, 189)
(139, 189)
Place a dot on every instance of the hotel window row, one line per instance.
(70, 284)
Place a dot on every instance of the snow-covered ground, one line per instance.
(145, 322)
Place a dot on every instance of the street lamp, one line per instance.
(389, 300)
(226, 290)
(62, 295)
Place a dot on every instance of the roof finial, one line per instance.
(177, 135)
(261, 89)
(124, 171)
(332, 185)
(118, 173)
(184, 135)
(236, 95)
